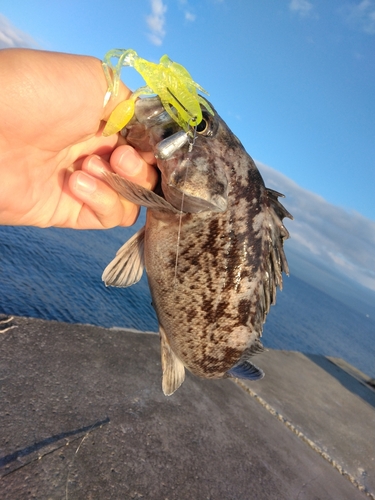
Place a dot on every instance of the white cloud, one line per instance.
(339, 241)
(189, 16)
(11, 37)
(156, 21)
(301, 7)
(361, 15)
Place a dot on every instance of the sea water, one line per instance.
(56, 274)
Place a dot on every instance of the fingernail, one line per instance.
(85, 183)
(130, 163)
(95, 165)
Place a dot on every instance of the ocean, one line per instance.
(56, 273)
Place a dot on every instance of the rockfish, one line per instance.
(212, 245)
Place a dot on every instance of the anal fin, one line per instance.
(246, 370)
(172, 366)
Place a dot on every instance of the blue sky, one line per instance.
(293, 79)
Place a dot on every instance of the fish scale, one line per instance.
(215, 214)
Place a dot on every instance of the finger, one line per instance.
(101, 207)
(128, 163)
(148, 157)
(99, 199)
(95, 165)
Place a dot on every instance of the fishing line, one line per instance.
(191, 144)
(178, 240)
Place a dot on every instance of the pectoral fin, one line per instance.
(138, 194)
(127, 267)
(246, 370)
(173, 368)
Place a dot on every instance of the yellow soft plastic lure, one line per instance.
(169, 80)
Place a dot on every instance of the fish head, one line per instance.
(193, 179)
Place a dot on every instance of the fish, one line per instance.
(212, 245)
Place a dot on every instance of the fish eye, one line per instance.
(202, 127)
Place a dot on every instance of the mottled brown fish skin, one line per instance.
(212, 306)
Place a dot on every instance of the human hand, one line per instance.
(52, 151)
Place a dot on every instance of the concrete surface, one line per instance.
(83, 417)
(326, 406)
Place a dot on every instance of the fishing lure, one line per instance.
(169, 80)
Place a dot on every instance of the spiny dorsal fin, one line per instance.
(278, 207)
(274, 259)
(127, 267)
(278, 235)
(173, 368)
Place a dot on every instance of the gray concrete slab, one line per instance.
(353, 371)
(327, 405)
(83, 417)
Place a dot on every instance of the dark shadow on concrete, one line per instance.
(348, 381)
(28, 450)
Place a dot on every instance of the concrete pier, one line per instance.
(83, 416)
